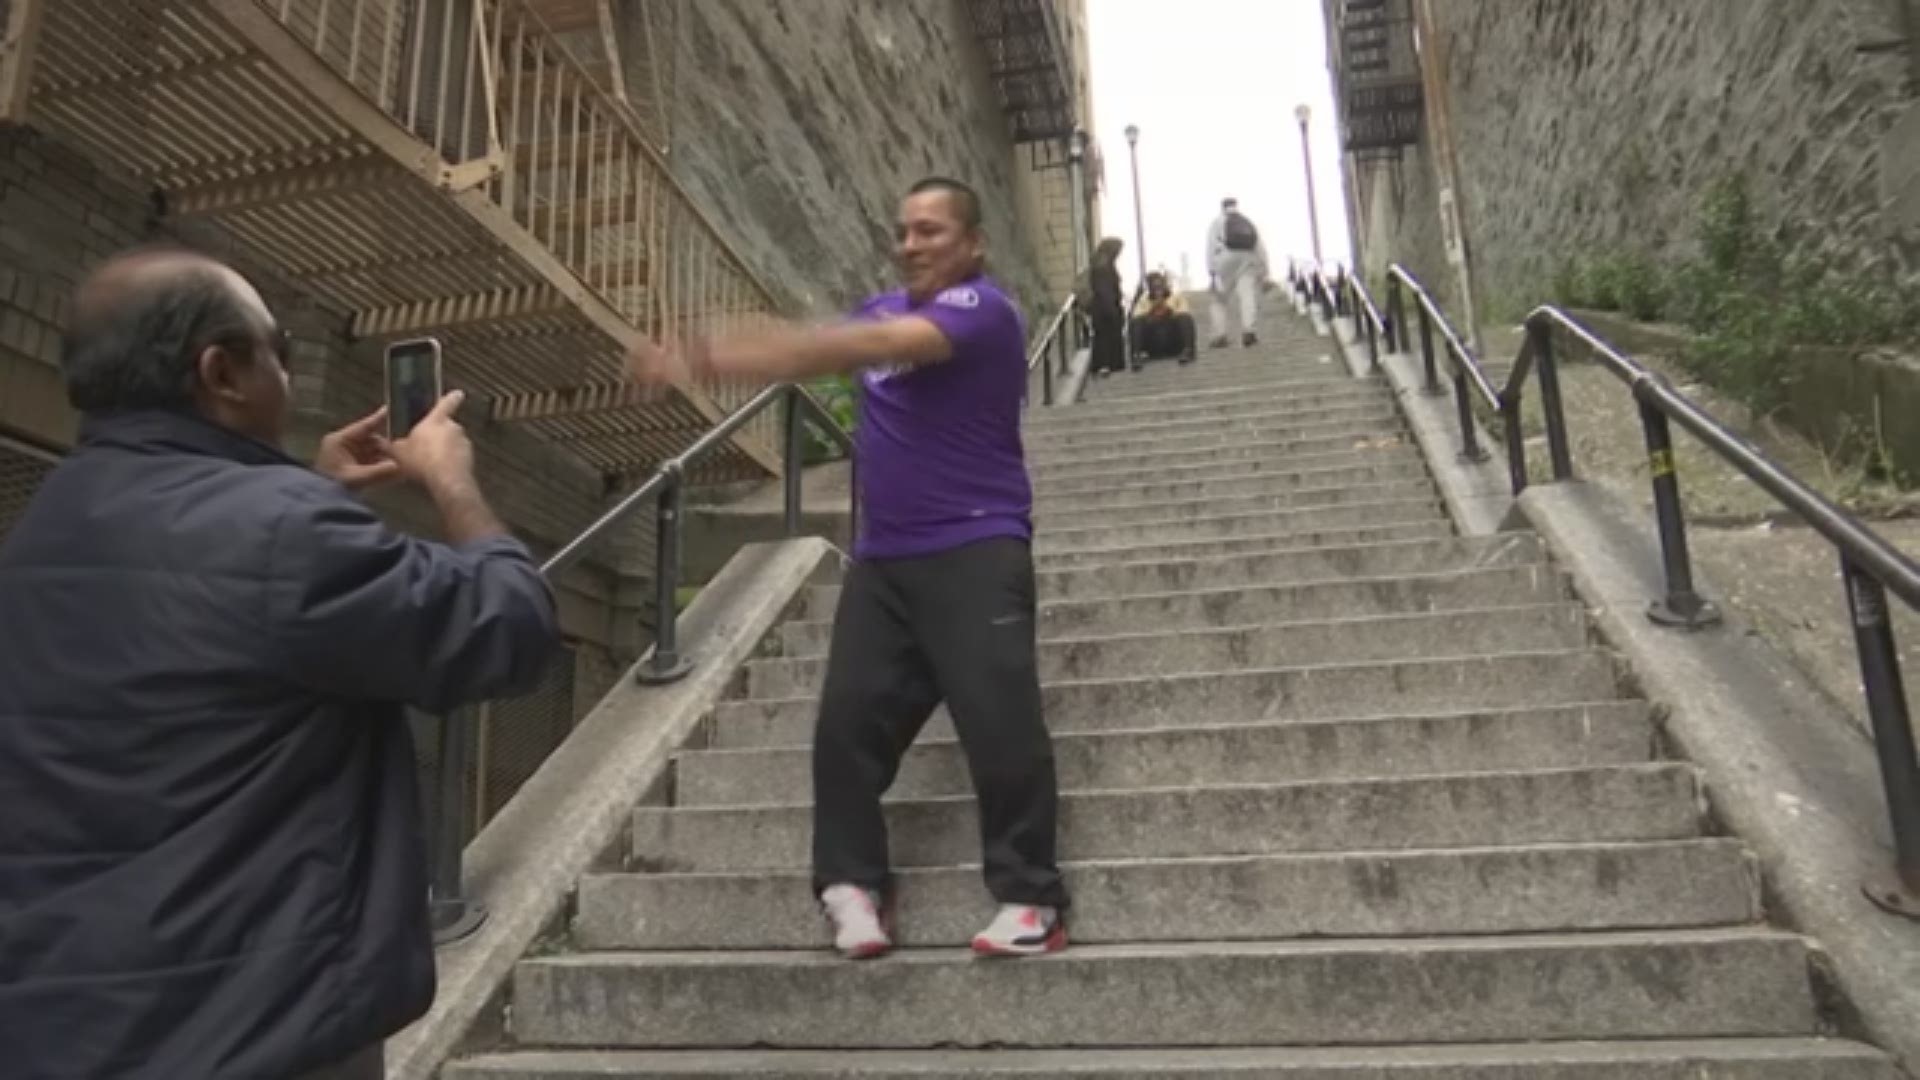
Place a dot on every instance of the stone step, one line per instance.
(1144, 487)
(1631, 985)
(1049, 421)
(1302, 437)
(1398, 688)
(1227, 527)
(1246, 545)
(1674, 1059)
(1049, 518)
(1219, 371)
(1473, 632)
(1606, 733)
(1352, 553)
(1285, 454)
(1530, 889)
(1248, 381)
(1268, 422)
(1134, 577)
(1223, 593)
(1582, 805)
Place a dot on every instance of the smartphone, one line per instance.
(413, 383)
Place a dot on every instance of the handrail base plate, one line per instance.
(1892, 895)
(454, 921)
(1694, 615)
(651, 674)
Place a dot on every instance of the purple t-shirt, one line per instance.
(938, 445)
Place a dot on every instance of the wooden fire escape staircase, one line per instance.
(442, 167)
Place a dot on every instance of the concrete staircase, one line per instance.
(1347, 796)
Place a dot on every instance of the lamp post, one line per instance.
(1303, 114)
(1139, 222)
(1077, 199)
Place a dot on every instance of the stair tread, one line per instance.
(1141, 950)
(1242, 788)
(1706, 844)
(1328, 1062)
(1278, 670)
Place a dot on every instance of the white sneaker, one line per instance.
(859, 930)
(1022, 930)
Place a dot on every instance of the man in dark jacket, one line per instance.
(210, 854)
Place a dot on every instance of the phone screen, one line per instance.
(413, 384)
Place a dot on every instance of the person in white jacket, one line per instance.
(1237, 262)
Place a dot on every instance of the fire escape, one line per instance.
(443, 167)
(1032, 66)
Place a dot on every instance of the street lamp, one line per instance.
(1139, 222)
(1077, 202)
(1303, 114)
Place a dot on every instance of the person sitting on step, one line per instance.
(1162, 324)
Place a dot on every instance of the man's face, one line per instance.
(245, 381)
(934, 247)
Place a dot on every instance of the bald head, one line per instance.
(139, 325)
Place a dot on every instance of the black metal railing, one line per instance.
(1870, 566)
(455, 914)
(1064, 335)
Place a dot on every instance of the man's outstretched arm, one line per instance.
(792, 352)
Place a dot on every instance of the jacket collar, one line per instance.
(163, 431)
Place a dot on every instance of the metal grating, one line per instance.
(517, 734)
(1032, 68)
(22, 469)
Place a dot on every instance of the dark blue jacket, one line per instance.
(211, 862)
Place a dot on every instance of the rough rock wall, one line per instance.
(798, 125)
(1600, 123)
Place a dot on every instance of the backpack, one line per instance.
(1239, 234)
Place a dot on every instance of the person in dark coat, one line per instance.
(1107, 309)
(211, 863)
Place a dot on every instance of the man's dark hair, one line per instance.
(966, 201)
(137, 327)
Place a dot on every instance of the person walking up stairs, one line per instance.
(1344, 795)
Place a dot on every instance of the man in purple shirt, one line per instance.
(939, 603)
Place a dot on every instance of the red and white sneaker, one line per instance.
(1022, 930)
(859, 927)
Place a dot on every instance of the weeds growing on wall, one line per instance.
(835, 394)
(1748, 303)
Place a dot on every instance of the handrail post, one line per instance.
(665, 664)
(1046, 366)
(1373, 343)
(1430, 384)
(452, 913)
(1470, 450)
(795, 458)
(1516, 441)
(1681, 607)
(1396, 312)
(1898, 893)
(1540, 334)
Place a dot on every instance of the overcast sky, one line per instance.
(1212, 85)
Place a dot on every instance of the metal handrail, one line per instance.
(1869, 564)
(1047, 342)
(455, 915)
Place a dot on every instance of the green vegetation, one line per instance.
(835, 393)
(1748, 302)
